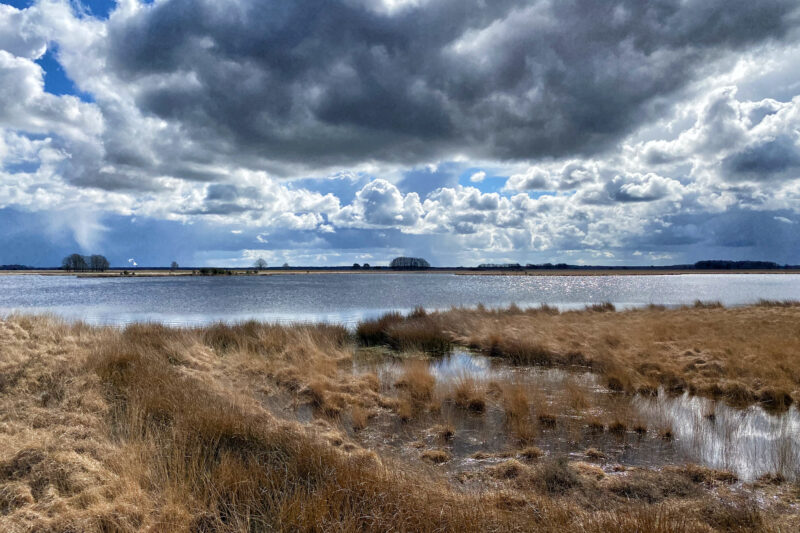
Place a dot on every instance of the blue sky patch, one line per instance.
(56, 80)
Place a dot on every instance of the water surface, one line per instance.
(750, 442)
(347, 298)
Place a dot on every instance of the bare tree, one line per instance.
(260, 263)
(98, 263)
(74, 262)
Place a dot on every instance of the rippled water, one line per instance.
(347, 298)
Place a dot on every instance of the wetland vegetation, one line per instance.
(651, 419)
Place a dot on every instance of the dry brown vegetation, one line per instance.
(150, 428)
(743, 355)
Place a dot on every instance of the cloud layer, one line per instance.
(462, 129)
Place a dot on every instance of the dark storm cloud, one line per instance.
(321, 82)
(735, 234)
(764, 161)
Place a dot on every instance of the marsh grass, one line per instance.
(148, 428)
(416, 387)
(516, 405)
(744, 355)
(469, 393)
(418, 331)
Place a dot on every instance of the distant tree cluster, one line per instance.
(260, 264)
(213, 271)
(84, 263)
(549, 266)
(736, 265)
(409, 263)
(500, 266)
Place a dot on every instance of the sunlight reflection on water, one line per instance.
(749, 442)
(348, 298)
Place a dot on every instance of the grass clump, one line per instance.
(435, 456)
(531, 453)
(419, 331)
(509, 469)
(374, 332)
(468, 394)
(443, 432)
(556, 476)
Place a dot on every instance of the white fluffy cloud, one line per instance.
(199, 116)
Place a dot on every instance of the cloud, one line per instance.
(20, 35)
(309, 85)
(478, 177)
(765, 160)
(534, 179)
(380, 203)
(644, 188)
(622, 127)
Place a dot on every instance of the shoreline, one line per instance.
(118, 273)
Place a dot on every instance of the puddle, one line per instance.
(749, 443)
(551, 390)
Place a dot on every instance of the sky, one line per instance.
(328, 132)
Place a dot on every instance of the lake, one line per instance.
(347, 298)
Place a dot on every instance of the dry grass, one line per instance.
(469, 393)
(516, 405)
(435, 456)
(416, 332)
(416, 386)
(444, 432)
(744, 355)
(359, 417)
(150, 428)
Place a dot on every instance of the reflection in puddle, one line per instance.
(549, 390)
(451, 367)
(750, 442)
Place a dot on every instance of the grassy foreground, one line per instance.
(150, 428)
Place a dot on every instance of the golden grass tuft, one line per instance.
(416, 386)
(443, 432)
(468, 393)
(531, 452)
(435, 456)
(509, 469)
(359, 417)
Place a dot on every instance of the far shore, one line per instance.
(115, 273)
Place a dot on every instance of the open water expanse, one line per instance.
(347, 298)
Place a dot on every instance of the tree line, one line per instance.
(83, 263)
